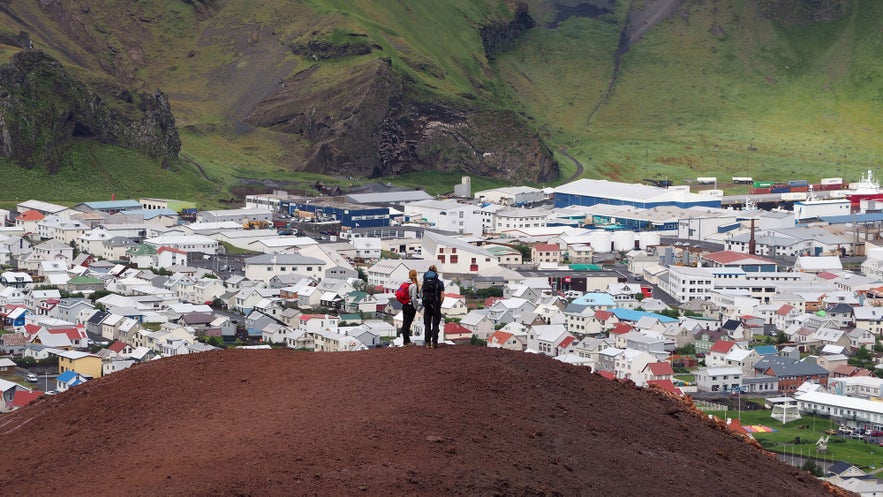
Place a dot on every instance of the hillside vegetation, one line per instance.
(283, 93)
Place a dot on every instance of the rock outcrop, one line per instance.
(42, 108)
(370, 122)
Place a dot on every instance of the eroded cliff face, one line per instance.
(42, 108)
(371, 123)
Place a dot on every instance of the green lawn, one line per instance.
(808, 429)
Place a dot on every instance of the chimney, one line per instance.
(752, 243)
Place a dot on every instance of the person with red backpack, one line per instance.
(407, 295)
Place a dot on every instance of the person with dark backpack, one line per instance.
(433, 291)
(408, 297)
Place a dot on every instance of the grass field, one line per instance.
(808, 430)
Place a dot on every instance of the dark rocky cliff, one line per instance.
(371, 123)
(498, 38)
(42, 108)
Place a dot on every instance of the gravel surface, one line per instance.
(409, 421)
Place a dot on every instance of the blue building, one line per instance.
(348, 214)
(588, 192)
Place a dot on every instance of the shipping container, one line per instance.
(831, 181)
(799, 189)
(831, 186)
(798, 182)
(793, 197)
(713, 193)
(780, 188)
(759, 191)
(763, 184)
(742, 180)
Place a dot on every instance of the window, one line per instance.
(454, 259)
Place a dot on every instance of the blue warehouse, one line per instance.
(588, 192)
(348, 214)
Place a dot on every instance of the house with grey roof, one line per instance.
(790, 372)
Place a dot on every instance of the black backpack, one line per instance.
(430, 292)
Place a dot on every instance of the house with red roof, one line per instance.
(657, 371)
(121, 349)
(312, 323)
(509, 341)
(848, 371)
(545, 253)
(455, 333)
(717, 355)
(620, 329)
(22, 398)
(28, 220)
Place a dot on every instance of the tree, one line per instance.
(811, 466)
(672, 313)
(524, 249)
(862, 358)
(362, 274)
(689, 349)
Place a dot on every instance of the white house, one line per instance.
(719, 379)
(452, 255)
(264, 267)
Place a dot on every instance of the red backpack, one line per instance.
(403, 294)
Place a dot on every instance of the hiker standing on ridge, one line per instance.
(433, 290)
(409, 309)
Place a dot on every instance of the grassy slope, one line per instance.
(687, 103)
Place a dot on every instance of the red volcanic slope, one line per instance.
(411, 421)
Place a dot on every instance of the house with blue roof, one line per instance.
(69, 379)
(633, 316)
(765, 350)
(108, 206)
(597, 301)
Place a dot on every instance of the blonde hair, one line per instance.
(412, 275)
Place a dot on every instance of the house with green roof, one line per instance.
(142, 255)
(83, 284)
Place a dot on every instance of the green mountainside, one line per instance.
(283, 93)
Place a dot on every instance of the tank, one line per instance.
(648, 238)
(600, 240)
(623, 240)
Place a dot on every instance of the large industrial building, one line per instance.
(593, 192)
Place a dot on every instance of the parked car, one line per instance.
(52, 392)
(877, 433)
(33, 378)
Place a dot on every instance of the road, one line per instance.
(46, 380)
(579, 166)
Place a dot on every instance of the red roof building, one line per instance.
(722, 346)
(24, 397)
(31, 215)
(621, 329)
